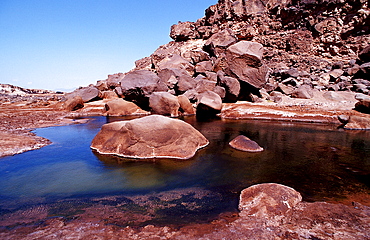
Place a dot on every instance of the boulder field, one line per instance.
(264, 52)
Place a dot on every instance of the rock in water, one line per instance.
(153, 136)
(268, 199)
(243, 143)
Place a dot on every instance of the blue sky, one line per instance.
(64, 44)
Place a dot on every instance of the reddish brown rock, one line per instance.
(176, 61)
(210, 99)
(120, 107)
(358, 123)
(153, 136)
(177, 78)
(243, 143)
(109, 95)
(138, 85)
(303, 91)
(217, 44)
(267, 200)
(245, 53)
(231, 85)
(86, 93)
(203, 67)
(164, 103)
(185, 105)
(73, 104)
(183, 31)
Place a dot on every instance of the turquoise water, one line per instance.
(319, 161)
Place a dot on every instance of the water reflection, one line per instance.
(319, 161)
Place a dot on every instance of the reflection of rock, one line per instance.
(245, 144)
(357, 122)
(149, 137)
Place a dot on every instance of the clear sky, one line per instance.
(64, 44)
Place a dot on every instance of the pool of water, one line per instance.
(67, 179)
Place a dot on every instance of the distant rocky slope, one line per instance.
(9, 89)
(248, 50)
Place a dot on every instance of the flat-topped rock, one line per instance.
(153, 136)
(243, 143)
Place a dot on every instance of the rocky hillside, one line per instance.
(250, 50)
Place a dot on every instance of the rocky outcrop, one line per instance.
(251, 51)
(243, 143)
(153, 136)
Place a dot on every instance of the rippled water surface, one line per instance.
(66, 178)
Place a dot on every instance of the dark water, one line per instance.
(67, 178)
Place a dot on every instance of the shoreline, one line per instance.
(17, 120)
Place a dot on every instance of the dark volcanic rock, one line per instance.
(149, 137)
(138, 85)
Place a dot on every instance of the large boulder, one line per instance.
(164, 103)
(243, 60)
(153, 136)
(86, 93)
(209, 104)
(184, 31)
(231, 85)
(120, 107)
(138, 85)
(245, 53)
(364, 55)
(177, 78)
(355, 122)
(176, 61)
(303, 91)
(243, 143)
(73, 103)
(185, 105)
(217, 44)
(363, 104)
(267, 200)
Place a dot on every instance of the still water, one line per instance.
(319, 161)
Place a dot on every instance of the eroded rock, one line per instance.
(243, 143)
(153, 136)
(267, 200)
(120, 107)
(164, 103)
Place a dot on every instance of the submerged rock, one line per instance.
(267, 200)
(153, 136)
(245, 144)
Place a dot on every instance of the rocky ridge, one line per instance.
(256, 51)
